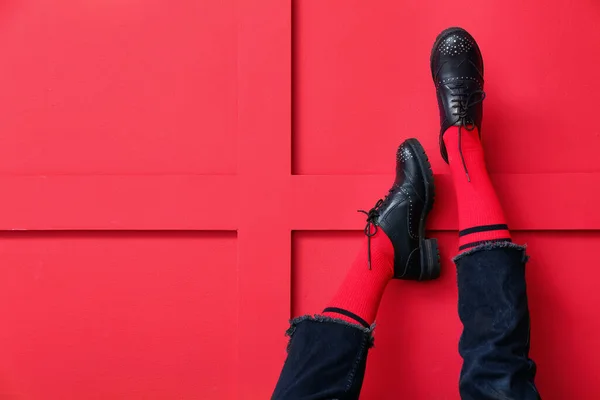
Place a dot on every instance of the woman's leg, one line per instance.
(492, 298)
(327, 353)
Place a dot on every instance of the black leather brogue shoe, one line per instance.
(457, 71)
(403, 212)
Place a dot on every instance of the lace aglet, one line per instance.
(369, 250)
(468, 177)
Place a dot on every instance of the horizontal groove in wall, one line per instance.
(124, 234)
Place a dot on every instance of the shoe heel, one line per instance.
(430, 259)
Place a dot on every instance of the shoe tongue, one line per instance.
(458, 87)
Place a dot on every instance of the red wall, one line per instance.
(180, 178)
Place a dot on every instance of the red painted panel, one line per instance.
(264, 165)
(118, 87)
(111, 315)
(415, 354)
(311, 200)
(562, 277)
(362, 82)
(116, 202)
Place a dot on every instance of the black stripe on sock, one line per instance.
(483, 228)
(347, 314)
(473, 244)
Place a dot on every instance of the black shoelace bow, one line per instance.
(463, 104)
(372, 216)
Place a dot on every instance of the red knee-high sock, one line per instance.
(357, 299)
(480, 216)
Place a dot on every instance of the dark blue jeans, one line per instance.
(327, 357)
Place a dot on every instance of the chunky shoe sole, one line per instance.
(430, 254)
(442, 36)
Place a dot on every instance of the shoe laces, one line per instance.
(462, 104)
(372, 216)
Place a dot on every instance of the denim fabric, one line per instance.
(492, 305)
(327, 357)
(326, 360)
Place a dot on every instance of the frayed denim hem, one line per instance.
(492, 246)
(322, 318)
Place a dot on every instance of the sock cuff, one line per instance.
(348, 314)
(476, 235)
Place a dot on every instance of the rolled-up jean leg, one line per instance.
(326, 359)
(492, 305)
